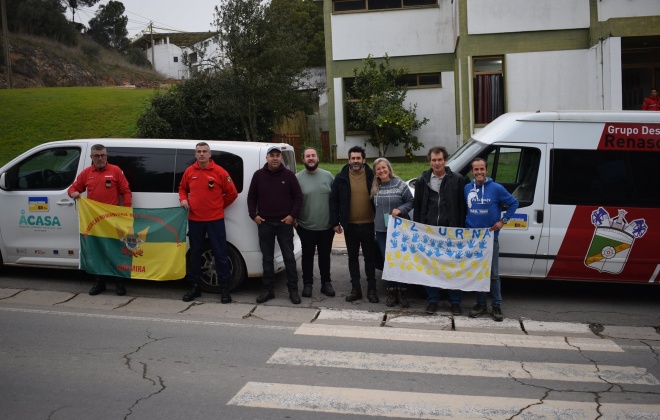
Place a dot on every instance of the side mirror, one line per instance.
(3, 181)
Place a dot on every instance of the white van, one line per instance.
(588, 184)
(39, 223)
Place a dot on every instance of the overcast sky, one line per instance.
(167, 15)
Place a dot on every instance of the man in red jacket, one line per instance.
(105, 183)
(206, 189)
(652, 103)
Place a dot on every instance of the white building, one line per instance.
(471, 60)
(169, 52)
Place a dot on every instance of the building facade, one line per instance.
(469, 61)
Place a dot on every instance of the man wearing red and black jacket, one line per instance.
(652, 103)
(206, 189)
(105, 183)
(274, 202)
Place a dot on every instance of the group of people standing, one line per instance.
(357, 202)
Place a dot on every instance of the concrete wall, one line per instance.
(397, 32)
(608, 9)
(500, 16)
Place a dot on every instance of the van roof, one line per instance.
(588, 116)
(216, 145)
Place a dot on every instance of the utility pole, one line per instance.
(5, 37)
(153, 60)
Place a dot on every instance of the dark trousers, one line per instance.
(313, 240)
(268, 231)
(197, 232)
(357, 236)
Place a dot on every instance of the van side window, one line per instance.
(604, 178)
(50, 169)
(146, 169)
(230, 162)
(516, 168)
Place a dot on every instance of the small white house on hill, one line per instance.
(169, 52)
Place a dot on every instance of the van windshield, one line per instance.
(460, 160)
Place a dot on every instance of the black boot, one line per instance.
(391, 296)
(401, 297)
(99, 287)
(225, 297)
(193, 293)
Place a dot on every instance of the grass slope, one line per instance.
(29, 117)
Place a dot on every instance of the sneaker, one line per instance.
(372, 296)
(391, 297)
(355, 294)
(294, 297)
(477, 310)
(497, 314)
(456, 309)
(307, 290)
(265, 296)
(326, 289)
(431, 308)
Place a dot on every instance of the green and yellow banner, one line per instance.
(131, 242)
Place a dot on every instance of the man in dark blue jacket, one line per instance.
(352, 212)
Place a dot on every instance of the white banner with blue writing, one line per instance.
(437, 256)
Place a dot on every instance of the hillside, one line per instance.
(39, 62)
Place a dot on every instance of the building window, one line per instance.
(488, 88)
(176, 59)
(363, 5)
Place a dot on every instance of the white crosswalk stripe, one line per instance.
(464, 367)
(381, 403)
(458, 337)
(388, 403)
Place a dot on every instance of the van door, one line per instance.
(39, 223)
(521, 169)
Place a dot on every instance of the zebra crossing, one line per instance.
(376, 402)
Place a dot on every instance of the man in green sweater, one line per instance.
(314, 227)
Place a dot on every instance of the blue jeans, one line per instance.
(268, 231)
(197, 232)
(311, 241)
(356, 236)
(433, 295)
(495, 286)
(381, 237)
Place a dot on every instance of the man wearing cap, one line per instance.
(274, 202)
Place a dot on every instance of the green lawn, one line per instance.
(29, 117)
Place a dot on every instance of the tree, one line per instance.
(108, 26)
(265, 60)
(191, 110)
(76, 4)
(41, 18)
(377, 103)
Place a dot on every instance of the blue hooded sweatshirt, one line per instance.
(484, 204)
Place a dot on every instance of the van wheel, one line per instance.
(210, 281)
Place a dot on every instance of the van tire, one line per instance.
(210, 283)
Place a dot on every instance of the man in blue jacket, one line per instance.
(484, 198)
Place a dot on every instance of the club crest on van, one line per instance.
(612, 241)
(131, 240)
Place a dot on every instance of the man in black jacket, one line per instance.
(439, 201)
(352, 211)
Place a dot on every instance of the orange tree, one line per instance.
(376, 102)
